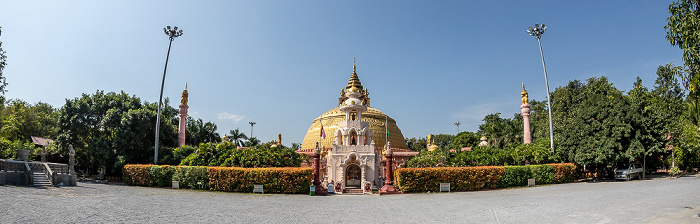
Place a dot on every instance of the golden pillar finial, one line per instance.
(183, 99)
(353, 65)
(523, 95)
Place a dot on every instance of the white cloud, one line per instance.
(234, 117)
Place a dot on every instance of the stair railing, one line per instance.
(28, 172)
(49, 174)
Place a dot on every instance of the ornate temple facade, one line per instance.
(355, 136)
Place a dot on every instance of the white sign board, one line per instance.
(444, 187)
(258, 188)
(530, 182)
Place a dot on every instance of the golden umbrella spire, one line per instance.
(354, 84)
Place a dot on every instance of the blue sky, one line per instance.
(427, 64)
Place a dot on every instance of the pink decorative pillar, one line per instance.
(182, 125)
(525, 110)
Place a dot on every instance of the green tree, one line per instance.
(681, 31)
(252, 141)
(237, 137)
(590, 121)
(108, 130)
(197, 132)
(464, 139)
(502, 132)
(3, 63)
(21, 120)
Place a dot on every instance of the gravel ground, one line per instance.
(659, 200)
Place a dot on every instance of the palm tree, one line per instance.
(237, 137)
(252, 141)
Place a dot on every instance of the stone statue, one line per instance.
(279, 139)
(523, 95)
(183, 99)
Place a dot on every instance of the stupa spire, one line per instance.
(354, 84)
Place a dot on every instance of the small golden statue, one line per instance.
(279, 139)
(183, 99)
(523, 95)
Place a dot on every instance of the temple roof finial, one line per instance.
(353, 65)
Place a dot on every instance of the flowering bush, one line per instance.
(481, 177)
(461, 178)
(137, 174)
(564, 172)
(274, 180)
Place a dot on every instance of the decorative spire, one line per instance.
(524, 95)
(183, 99)
(354, 84)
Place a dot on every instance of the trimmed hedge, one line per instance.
(543, 174)
(274, 180)
(482, 177)
(137, 174)
(162, 176)
(191, 176)
(515, 176)
(564, 172)
(461, 178)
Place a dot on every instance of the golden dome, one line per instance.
(376, 121)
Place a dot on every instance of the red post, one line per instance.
(388, 187)
(320, 190)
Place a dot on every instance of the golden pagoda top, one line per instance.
(354, 85)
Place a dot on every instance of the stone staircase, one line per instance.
(40, 180)
(352, 190)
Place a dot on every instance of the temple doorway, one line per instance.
(353, 176)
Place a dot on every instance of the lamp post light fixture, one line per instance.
(252, 123)
(458, 123)
(537, 33)
(172, 34)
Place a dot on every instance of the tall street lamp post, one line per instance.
(458, 123)
(537, 33)
(172, 34)
(252, 123)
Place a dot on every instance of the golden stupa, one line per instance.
(374, 117)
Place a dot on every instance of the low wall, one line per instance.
(13, 178)
(66, 179)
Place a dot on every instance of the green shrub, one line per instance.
(543, 174)
(162, 176)
(191, 176)
(460, 178)
(436, 158)
(515, 176)
(675, 171)
(226, 154)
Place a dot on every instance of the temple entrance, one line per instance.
(353, 176)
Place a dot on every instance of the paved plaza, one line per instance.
(659, 200)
